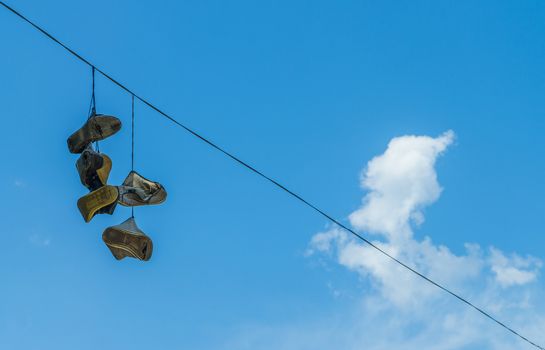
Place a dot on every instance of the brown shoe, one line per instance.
(127, 240)
(137, 190)
(97, 128)
(93, 168)
(93, 202)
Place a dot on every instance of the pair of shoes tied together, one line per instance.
(135, 191)
(126, 239)
(94, 169)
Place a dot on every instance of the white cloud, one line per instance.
(399, 309)
(375, 324)
(400, 184)
(515, 270)
(321, 242)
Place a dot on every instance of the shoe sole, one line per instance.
(115, 239)
(89, 204)
(95, 129)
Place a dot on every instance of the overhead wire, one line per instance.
(264, 176)
(93, 105)
(132, 143)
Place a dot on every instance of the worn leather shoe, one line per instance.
(127, 240)
(93, 168)
(137, 190)
(96, 128)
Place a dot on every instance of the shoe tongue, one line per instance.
(131, 179)
(136, 180)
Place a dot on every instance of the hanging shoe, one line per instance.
(137, 190)
(93, 168)
(127, 240)
(92, 203)
(97, 128)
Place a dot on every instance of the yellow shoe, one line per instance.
(89, 204)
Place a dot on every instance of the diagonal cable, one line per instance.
(273, 181)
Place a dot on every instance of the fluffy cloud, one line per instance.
(395, 283)
(399, 309)
(515, 270)
(400, 183)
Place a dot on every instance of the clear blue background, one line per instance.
(307, 91)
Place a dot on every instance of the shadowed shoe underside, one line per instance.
(93, 202)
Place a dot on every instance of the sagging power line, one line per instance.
(271, 180)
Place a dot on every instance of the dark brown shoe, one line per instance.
(127, 240)
(93, 168)
(97, 128)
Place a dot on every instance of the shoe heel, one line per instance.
(105, 169)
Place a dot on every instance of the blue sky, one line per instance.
(309, 92)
